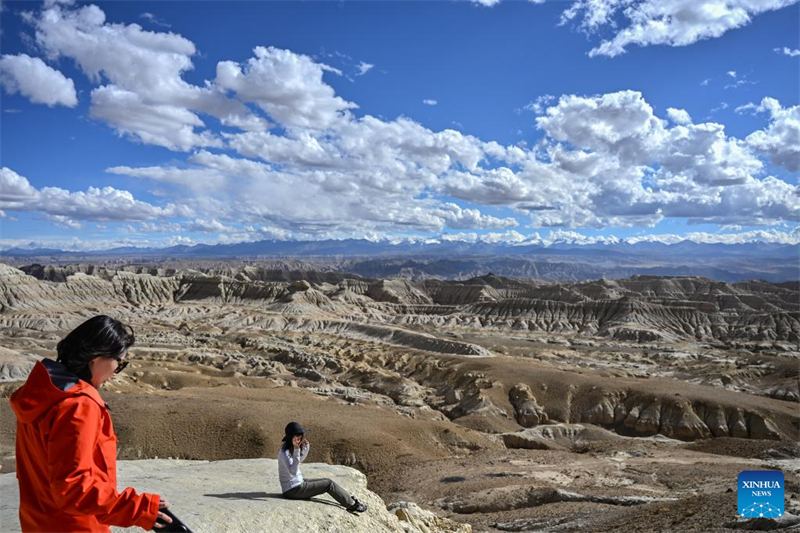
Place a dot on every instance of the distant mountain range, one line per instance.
(363, 247)
(461, 260)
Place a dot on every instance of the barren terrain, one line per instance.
(509, 404)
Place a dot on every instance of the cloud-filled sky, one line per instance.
(161, 123)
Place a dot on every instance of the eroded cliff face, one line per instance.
(589, 395)
(421, 348)
(642, 308)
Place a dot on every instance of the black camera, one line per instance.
(177, 526)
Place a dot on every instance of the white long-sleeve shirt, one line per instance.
(289, 467)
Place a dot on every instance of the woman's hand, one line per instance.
(163, 504)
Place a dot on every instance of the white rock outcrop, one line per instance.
(243, 496)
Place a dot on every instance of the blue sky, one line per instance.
(157, 123)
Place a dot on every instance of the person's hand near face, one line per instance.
(299, 441)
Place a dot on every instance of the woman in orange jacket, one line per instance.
(66, 446)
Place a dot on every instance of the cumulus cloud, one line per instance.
(127, 55)
(621, 122)
(66, 207)
(35, 80)
(164, 125)
(780, 140)
(655, 22)
(679, 116)
(366, 174)
(145, 96)
(429, 102)
(286, 85)
(208, 226)
(609, 160)
(458, 218)
(604, 160)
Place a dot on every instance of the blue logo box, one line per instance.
(760, 493)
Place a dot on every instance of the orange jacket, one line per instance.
(67, 458)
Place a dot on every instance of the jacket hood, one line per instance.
(49, 383)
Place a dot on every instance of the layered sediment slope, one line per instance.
(580, 398)
(643, 308)
(539, 352)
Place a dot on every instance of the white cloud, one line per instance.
(144, 70)
(512, 237)
(198, 179)
(459, 237)
(538, 106)
(286, 85)
(738, 80)
(209, 226)
(149, 63)
(780, 140)
(170, 126)
(366, 175)
(705, 155)
(769, 236)
(509, 237)
(152, 19)
(788, 51)
(429, 102)
(656, 22)
(720, 107)
(83, 245)
(609, 161)
(621, 122)
(16, 191)
(363, 68)
(36, 81)
(65, 207)
(500, 186)
(65, 222)
(679, 116)
(604, 160)
(573, 237)
(458, 218)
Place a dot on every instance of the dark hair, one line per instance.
(99, 336)
(288, 445)
(291, 430)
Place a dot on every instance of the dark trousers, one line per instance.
(314, 487)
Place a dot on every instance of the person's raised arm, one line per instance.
(304, 450)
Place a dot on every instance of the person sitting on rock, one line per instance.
(293, 451)
(66, 446)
